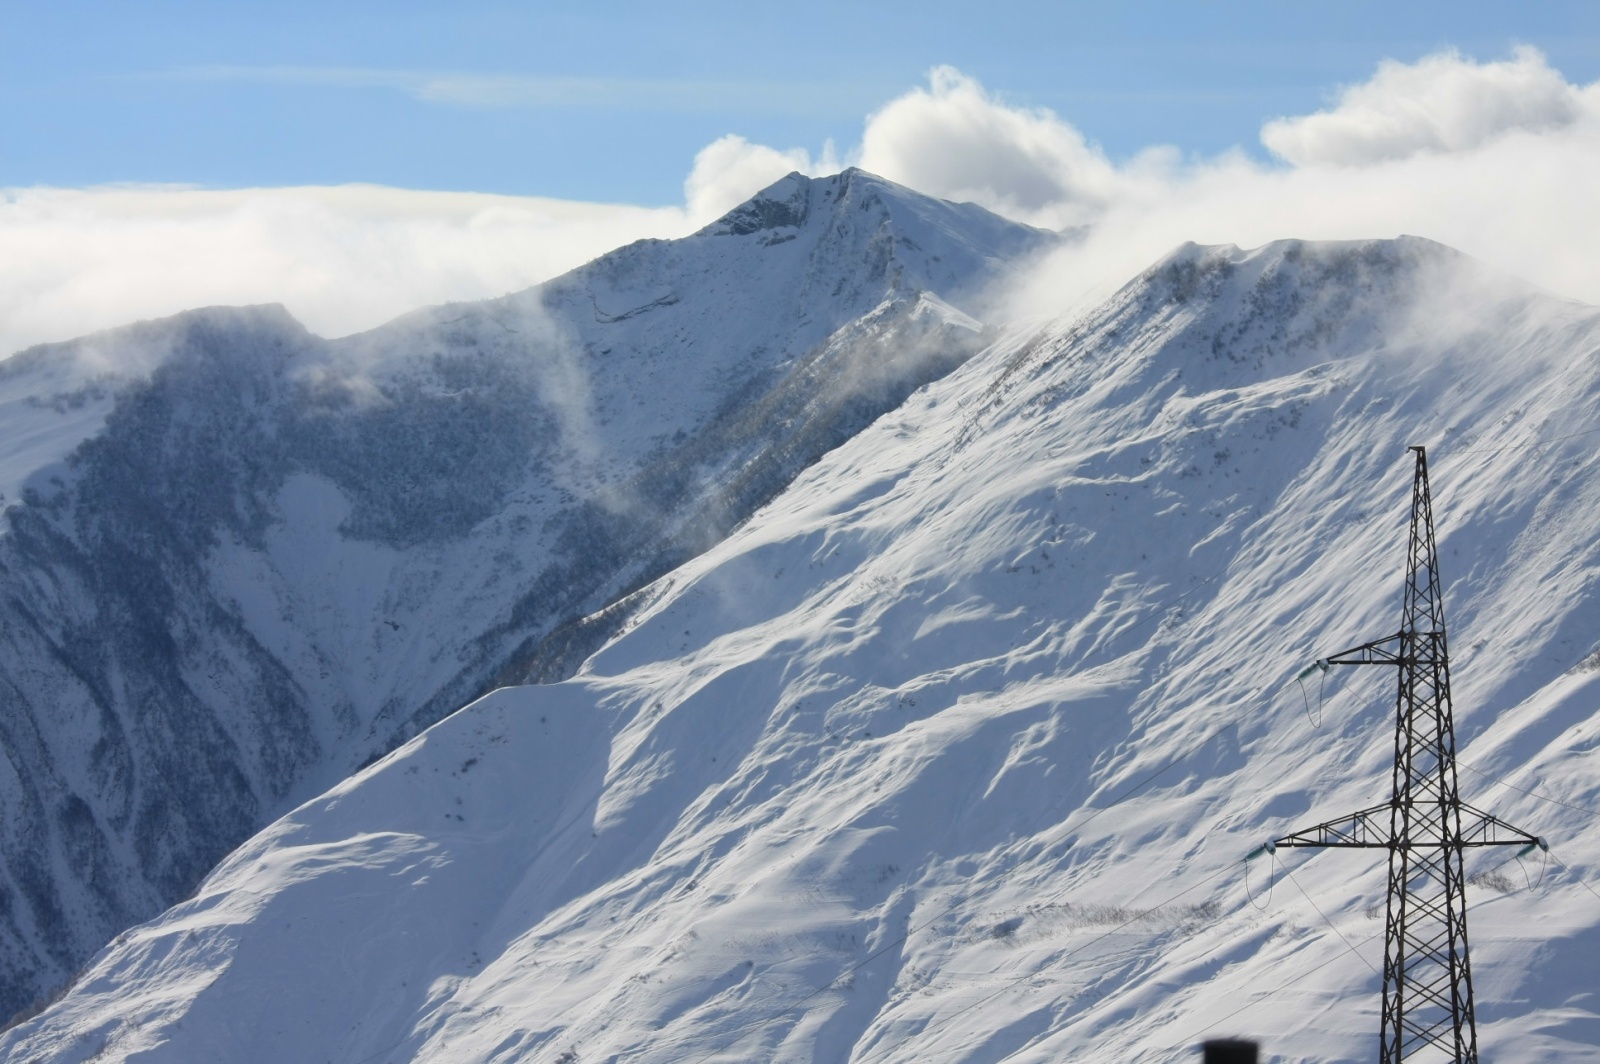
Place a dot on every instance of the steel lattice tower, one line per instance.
(1427, 978)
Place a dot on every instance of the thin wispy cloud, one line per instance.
(533, 91)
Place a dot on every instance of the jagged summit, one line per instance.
(785, 204)
(1279, 306)
(1363, 263)
(778, 212)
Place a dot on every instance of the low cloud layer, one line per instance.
(1500, 159)
(341, 259)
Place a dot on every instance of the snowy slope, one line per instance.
(55, 396)
(257, 559)
(953, 752)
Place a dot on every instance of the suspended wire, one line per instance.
(1035, 972)
(1272, 882)
(1581, 881)
(1304, 893)
(1280, 987)
(1121, 797)
(1544, 866)
(1447, 453)
(1530, 794)
(1316, 722)
(1350, 947)
(1314, 719)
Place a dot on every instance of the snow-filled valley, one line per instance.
(954, 750)
(238, 561)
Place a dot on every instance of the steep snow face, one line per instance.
(954, 751)
(254, 559)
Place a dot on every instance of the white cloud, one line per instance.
(341, 258)
(1507, 168)
(1528, 204)
(1443, 103)
(730, 170)
(957, 141)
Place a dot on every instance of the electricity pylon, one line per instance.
(1427, 979)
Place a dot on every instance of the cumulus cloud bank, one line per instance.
(731, 169)
(955, 138)
(1443, 103)
(1500, 159)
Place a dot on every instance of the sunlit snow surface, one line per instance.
(953, 752)
(239, 561)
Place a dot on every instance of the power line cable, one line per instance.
(1272, 882)
(1138, 786)
(1334, 928)
(1544, 866)
(1530, 794)
(1349, 948)
(1581, 881)
(1034, 973)
(1520, 446)
(1121, 797)
(1517, 447)
(1316, 721)
(1280, 987)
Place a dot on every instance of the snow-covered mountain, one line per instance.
(953, 752)
(239, 560)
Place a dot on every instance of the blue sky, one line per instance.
(611, 100)
(355, 160)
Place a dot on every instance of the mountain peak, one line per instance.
(792, 201)
(783, 204)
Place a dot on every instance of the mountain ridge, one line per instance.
(954, 749)
(253, 558)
